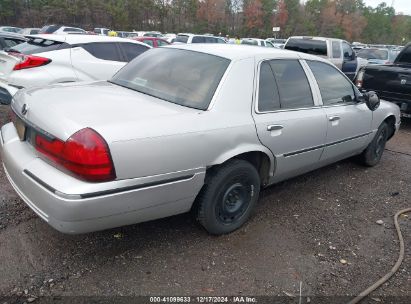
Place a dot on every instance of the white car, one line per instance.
(30, 31)
(61, 30)
(101, 31)
(257, 42)
(51, 59)
(187, 38)
(10, 29)
(148, 34)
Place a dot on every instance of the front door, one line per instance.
(350, 62)
(288, 121)
(349, 122)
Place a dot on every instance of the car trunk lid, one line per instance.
(115, 112)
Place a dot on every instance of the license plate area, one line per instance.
(21, 128)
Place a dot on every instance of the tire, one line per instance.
(228, 197)
(371, 156)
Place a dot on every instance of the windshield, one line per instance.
(373, 54)
(183, 77)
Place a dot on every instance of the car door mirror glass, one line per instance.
(372, 100)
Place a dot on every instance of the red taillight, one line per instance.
(85, 154)
(29, 61)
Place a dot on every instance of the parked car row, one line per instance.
(50, 59)
(337, 51)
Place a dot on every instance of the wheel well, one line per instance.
(260, 161)
(390, 120)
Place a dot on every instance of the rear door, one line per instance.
(96, 61)
(289, 121)
(348, 122)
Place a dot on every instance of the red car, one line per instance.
(152, 41)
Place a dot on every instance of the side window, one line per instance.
(198, 39)
(293, 86)
(105, 51)
(268, 98)
(149, 42)
(347, 51)
(336, 49)
(334, 87)
(132, 50)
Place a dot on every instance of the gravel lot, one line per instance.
(301, 230)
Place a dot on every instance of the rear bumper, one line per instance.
(73, 206)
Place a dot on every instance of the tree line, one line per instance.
(348, 19)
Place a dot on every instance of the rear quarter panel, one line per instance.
(57, 71)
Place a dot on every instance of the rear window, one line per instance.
(39, 45)
(48, 29)
(404, 56)
(309, 46)
(373, 54)
(178, 76)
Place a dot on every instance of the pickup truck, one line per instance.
(392, 82)
(337, 51)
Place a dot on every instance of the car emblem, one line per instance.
(24, 109)
(403, 81)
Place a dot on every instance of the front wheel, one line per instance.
(372, 155)
(228, 197)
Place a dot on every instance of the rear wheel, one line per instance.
(228, 197)
(372, 155)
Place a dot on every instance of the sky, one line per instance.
(400, 6)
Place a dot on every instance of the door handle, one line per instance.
(274, 127)
(334, 118)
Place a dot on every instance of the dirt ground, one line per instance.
(301, 231)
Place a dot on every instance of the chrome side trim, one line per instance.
(109, 191)
(326, 145)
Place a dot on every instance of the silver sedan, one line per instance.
(199, 127)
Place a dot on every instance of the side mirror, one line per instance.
(372, 100)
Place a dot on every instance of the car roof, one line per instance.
(76, 39)
(238, 52)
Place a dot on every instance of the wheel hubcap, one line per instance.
(234, 203)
